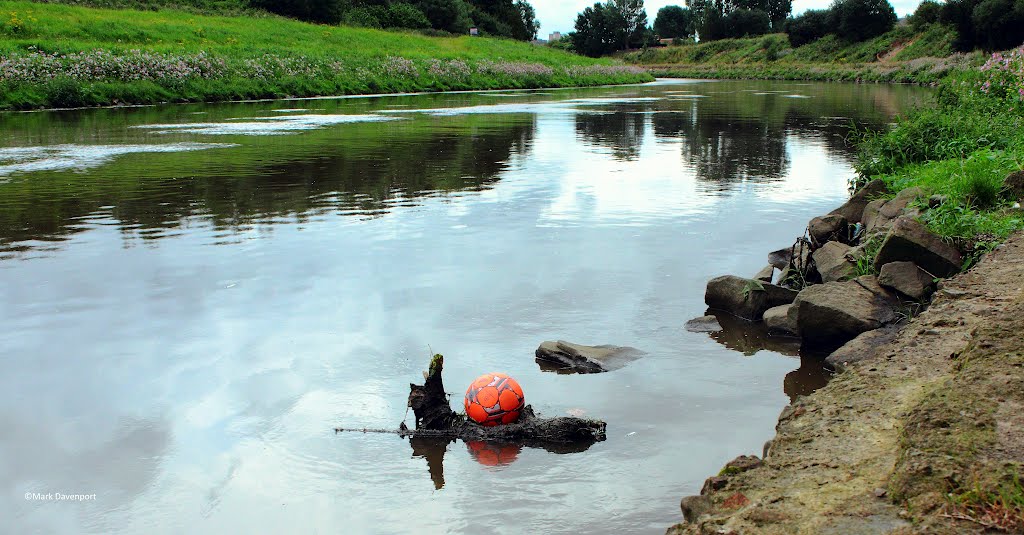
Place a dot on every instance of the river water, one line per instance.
(194, 296)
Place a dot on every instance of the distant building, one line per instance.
(474, 32)
(554, 36)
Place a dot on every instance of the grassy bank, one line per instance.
(963, 148)
(901, 55)
(61, 55)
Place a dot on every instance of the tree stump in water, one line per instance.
(430, 402)
(435, 418)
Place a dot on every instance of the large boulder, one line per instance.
(766, 274)
(704, 324)
(909, 240)
(863, 348)
(853, 210)
(832, 227)
(746, 298)
(567, 357)
(780, 320)
(833, 313)
(832, 263)
(907, 279)
(877, 215)
(872, 218)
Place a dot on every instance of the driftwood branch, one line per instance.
(435, 419)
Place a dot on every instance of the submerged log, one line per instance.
(435, 418)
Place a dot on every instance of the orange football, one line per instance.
(494, 398)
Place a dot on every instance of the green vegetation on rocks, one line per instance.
(61, 56)
(961, 149)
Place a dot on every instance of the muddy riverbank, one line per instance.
(923, 435)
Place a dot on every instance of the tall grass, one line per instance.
(962, 148)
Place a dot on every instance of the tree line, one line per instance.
(622, 24)
(516, 19)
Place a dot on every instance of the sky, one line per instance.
(560, 15)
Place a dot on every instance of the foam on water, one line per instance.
(77, 157)
(563, 106)
(263, 126)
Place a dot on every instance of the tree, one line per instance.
(323, 11)
(595, 35)
(808, 27)
(448, 15)
(927, 12)
(717, 19)
(605, 28)
(747, 23)
(632, 17)
(673, 22)
(778, 11)
(528, 17)
(999, 24)
(860, 20)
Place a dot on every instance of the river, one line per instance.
(194, 296)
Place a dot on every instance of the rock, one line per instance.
(585, 359)
(828, 228)
(907, 279)
(909, 240)
(832, 263)
(741, 464)
(1014, 185)
(896, 206)
(779, 320)
(745, 298)
(694, 507)
(704, 324)
(862, 348)
(713, 484)
(853, 210)
(766, 274)
(878, 215)
(833, 313)
(871, 213)
(781, 258)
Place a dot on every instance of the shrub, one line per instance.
(402, 15)
(812, 25)
(1004, 77)
(772, 46)
(366, 17)
(325, 11)
(928, 12)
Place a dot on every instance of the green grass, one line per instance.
(996, 505)
(963, 147)
(322, 60)
(902, 56)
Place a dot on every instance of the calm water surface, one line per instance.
(193, 297)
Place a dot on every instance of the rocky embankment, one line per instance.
(923, 431)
